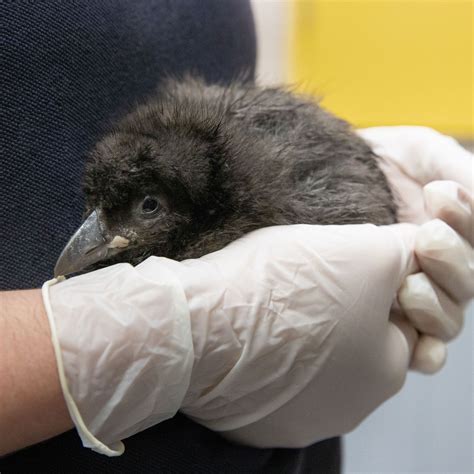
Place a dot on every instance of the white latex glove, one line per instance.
(281, 339)
(288, 323)
(432, 176)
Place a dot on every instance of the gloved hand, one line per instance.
(287, 327)
(432, 176)
(272, 339)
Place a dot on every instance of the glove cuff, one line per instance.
(124, 351)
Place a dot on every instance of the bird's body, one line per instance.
(198, 165)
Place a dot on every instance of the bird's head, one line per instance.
(162, 178)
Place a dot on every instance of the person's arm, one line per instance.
(226, 339)
(126, 350)
(32, 406)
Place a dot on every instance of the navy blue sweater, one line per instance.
(68, 69)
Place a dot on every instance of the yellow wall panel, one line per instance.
(388, 62)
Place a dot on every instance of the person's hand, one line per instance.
(280, 339)
(432, 176)
(413, 157)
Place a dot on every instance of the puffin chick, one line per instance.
(199, 165)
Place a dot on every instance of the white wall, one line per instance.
(272, 22)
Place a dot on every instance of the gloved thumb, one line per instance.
(402, 336)
(401, 251)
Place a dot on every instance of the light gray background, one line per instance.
(428, 427)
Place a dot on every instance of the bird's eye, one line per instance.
(150, 205)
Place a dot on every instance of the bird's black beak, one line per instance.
(88, 246)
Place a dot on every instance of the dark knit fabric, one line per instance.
(68, 69)
(176, 446)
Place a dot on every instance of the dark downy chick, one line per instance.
(198, 166)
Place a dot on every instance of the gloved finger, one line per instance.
(447, 259)
(426, 353)
(402, 260)
(405, 327)
(397, 355)
(429, 356)
(429, 308)
(452, 203)
(423, 153)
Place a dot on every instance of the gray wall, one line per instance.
(428, 427)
